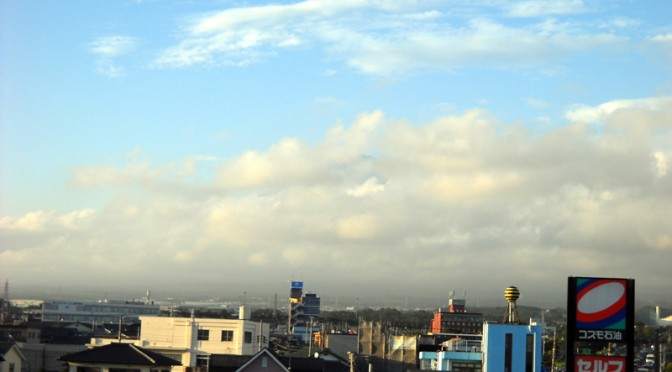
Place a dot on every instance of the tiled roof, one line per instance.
(5, 346)
(120, 353)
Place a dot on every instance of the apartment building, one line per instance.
(193, 341)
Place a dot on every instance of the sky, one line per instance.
(369, 148)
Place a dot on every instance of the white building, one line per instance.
(11, 357)
(104, 311)
(193, 340)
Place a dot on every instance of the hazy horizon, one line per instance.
(265, 297)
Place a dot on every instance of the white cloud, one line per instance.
(381, 37)
(661, 163)
(380, 200)
(599, 113)
(108, 49)
(543, 8)
(621, 22)
(663, 38)
(109, 69)
(369, 187)
(113, 46)
(42, 220)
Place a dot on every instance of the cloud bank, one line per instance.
(464, 200)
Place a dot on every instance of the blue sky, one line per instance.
(279, 137)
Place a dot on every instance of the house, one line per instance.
(267, 361)
(116, 357)
(264, 360)
(11, 357)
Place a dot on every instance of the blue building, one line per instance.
(304, 312)
(511, 347)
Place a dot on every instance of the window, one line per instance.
(508, 352)
(248, 337)
(227, 335)
(529, 353)
(88, 369)
(203, 335)
(202, 360)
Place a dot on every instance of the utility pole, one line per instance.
(351, 361)
(310, 335)
(553, 351)
(119, 333)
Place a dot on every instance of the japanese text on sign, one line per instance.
(598, 364)
(600, 335)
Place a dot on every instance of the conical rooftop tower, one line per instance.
(511, 316)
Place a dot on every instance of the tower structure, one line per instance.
(304, 309)
(295, 308)
(511, 316)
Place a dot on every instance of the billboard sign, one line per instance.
(296, 285)
(600, 311)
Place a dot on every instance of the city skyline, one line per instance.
(374, 148)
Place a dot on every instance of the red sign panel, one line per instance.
(585, 363)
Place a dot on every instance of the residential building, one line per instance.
(118, 357)
(42, 357)
(11, 357)
(264, 360)
(193, 341)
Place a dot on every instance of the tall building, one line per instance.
(304, 310)
(456, 320)
(512, 346)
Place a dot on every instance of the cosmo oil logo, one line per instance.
(601, 305)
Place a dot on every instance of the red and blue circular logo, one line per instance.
(600, 304)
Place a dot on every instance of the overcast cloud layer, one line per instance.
(384, 204)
